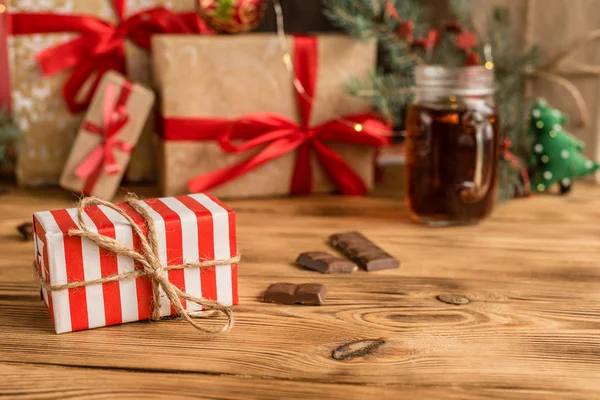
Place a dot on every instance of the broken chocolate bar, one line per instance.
(362, 251)
(283, 293)
(325, 263)
(312, 294)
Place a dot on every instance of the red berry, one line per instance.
(466, 40)
(389, 8)
(473, 59)
(419, 44)
(453, 27)
(433, 38)
(406, 29)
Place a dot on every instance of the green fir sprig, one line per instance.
(368, 19)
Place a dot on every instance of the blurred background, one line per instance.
(537, 49)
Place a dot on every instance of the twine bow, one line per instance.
(148, 258)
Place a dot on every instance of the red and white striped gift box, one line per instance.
(189, 228)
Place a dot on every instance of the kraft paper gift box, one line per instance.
(188, 229)
(111, 129)
(40, 68)
(47, 126)
(143, 165)
(229, 77)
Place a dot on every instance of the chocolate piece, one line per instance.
(312, 294)
(282, 293)
(362, 251)
(26, 230)
(325, 263)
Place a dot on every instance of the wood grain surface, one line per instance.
(530, 330)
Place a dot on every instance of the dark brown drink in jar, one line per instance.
(444, 143)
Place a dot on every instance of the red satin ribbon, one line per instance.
(281, 136)
(4, 74)
(99, 48)
(102, 157)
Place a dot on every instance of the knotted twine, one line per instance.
(148, 258)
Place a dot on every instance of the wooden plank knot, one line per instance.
(454, 299)
(358, 348)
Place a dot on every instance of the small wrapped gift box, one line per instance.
(111, 129)
(104, 264)
(238, 126)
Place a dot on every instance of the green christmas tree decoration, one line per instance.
(556, 154)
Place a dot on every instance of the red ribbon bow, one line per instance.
(281, 136)
(99, 48)
(114, 118)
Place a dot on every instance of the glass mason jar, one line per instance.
(452, 146)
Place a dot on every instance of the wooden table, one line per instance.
(532, 329)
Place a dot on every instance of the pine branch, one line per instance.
(447, 54)
(461, 12)
(388, 92)
(367, 19)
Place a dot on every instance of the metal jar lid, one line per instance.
(467, 81)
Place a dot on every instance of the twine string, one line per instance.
(148, 258)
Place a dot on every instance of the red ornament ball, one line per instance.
(232, 16)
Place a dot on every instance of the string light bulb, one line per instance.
(2, 8)
(489, 58)
(358, 127)
(287, 59)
